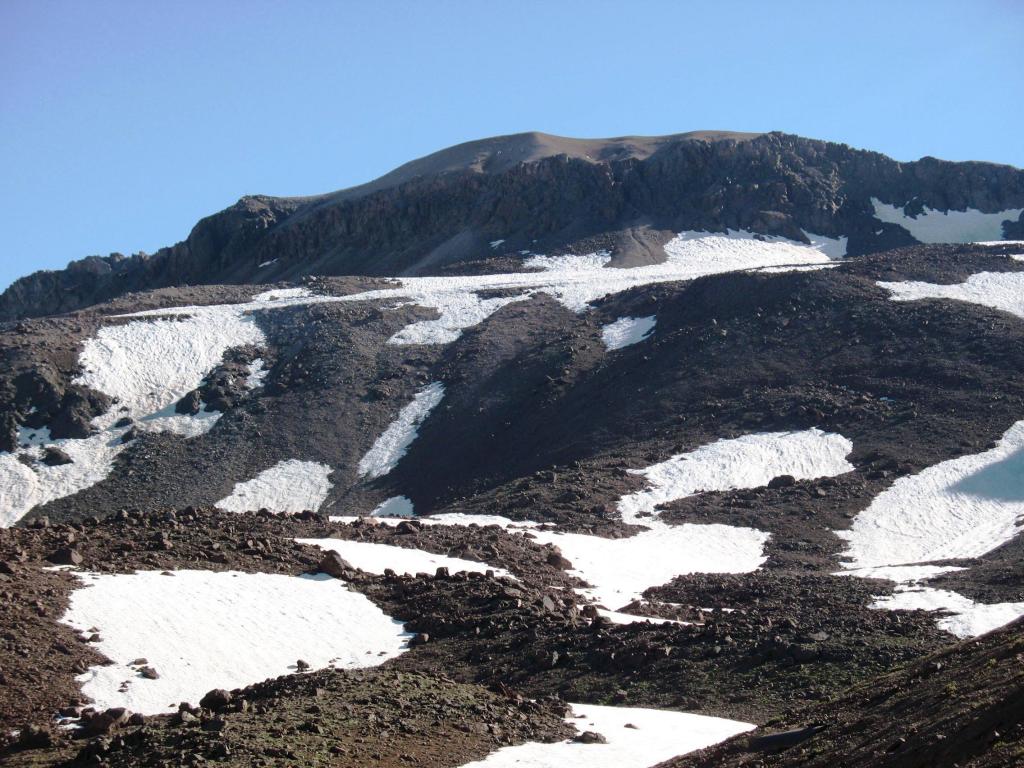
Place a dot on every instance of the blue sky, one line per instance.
(122, 123)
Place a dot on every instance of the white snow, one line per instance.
(375, 558)
(288, 486)
(637, 738)
(626, 331)
(153, 358)
(744, 462)
(149, 365)
(23, 487)
(934, 226)
(967, 619)
(201, 630)
(263, 264)
(617, 617)
(256, 374)
(392, 445)
(395, 507)
(619, 570)
(959, 508)
(496, 243)
(999, 290)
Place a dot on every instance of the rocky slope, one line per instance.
(608, 504)
(496, 197)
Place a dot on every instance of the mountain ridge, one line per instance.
(477, 201)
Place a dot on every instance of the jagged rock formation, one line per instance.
(542, 193)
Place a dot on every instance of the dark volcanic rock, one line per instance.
(541, 192)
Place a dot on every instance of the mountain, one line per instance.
(489, 199)
(709, 453)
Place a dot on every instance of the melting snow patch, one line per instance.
(376, 558)
(999, 290)
(744, 462)
(637, 738)
(289, 486)
(256, 374)
(23, 487)
(201, 630)
(934, 226)
(626, 331)
(967, 619)
(619, 570)
(391, 446)
(959, 508)
(496, 243)
(151, 364)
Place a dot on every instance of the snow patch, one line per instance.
(637, 738)
(24, 487)
(967, 618)
(619, 570)
(626, 331)
(750, 461)
(289, 486)
(932, 226)
(376, 558)
(999, 290)
(393, 444)
(201, 630)
(496, 243)
(959, 508)
(256, 373)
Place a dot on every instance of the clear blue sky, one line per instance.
(122, 123)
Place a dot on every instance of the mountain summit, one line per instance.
(479, 202)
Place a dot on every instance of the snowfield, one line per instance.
(153, 358)
(627, 331)
(392, 445)
(637, 738)
(998, 290)
(289, 486)
(376, 558)
(934, 226)
(959, 508)
(619, 570)
(202, 630)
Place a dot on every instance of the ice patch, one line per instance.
(637, 738)
(959, 508)
(496, 243)
(999, 290)
(256, 374)
(289, 486)
(376, 558)
(392, 445)
(201, 630)
(744, 462)
(626, 331)
(934, 226)
(396, 506)
(967, 619)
